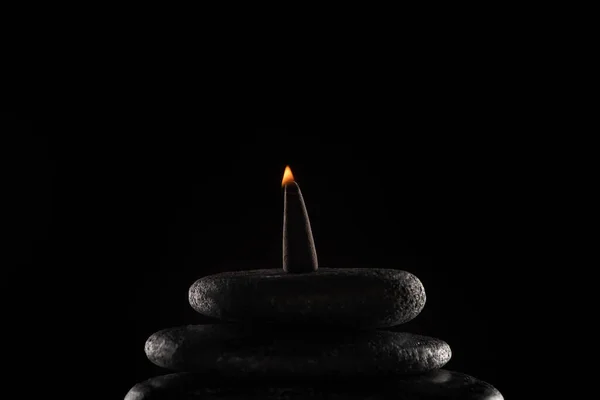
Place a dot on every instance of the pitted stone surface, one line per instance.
(234, 350)
(350, 297)
(435, 385)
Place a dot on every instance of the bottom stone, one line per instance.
(434, 385)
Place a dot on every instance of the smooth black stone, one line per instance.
(351, 297)
(435, 385)
(236, 350)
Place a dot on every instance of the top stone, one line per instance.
(345, 297)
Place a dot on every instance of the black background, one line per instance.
(130, 221)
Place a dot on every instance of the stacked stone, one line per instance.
(319, 335)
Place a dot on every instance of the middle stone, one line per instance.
(237, 350)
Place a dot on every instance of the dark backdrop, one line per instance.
(140, 214)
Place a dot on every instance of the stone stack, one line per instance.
(319, 335)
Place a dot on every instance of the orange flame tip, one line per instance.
(287, 176)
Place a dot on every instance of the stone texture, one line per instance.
(351, 297)
(236, 350)
(434, 385)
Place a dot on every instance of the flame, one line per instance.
(287, 176)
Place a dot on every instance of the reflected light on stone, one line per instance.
(441, 376)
